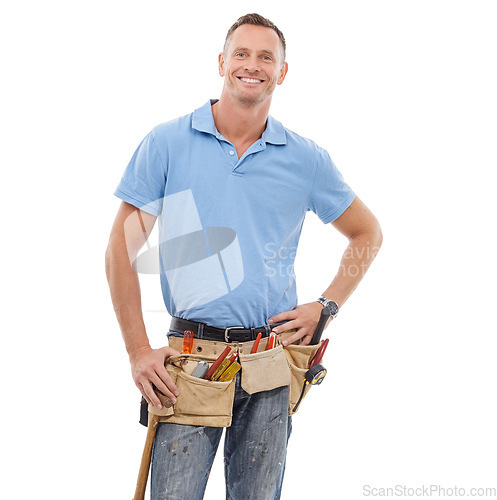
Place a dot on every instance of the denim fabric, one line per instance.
(254, 452)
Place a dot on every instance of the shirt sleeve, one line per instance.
(330, 195)
(144, 181)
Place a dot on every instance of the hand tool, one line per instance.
(141, 484)
(216, 363)
(223, 366)
(316, 372)
(256, 343)
(165, 401)
(325, 316)
(313, 376)
(230, 372)
(201, 369)
(320, 353)
(143, 412)
(271, 342)
(187, 342)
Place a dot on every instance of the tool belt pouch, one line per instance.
(264, 371)
(200, 402)
(299, 358)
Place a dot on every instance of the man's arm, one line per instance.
(362, 229)
(129, 233)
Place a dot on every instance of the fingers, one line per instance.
(284, 316)
(299, 334)
(149, 371)
(148, 393)
(161, 381)
(169, 351)
(304, 318)
(303, 332)
(306, 339)
(163, 384)
(290, 325)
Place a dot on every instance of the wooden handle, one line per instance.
(141, 484)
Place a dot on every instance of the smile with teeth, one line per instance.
(249, 80)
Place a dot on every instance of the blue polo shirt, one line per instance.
(229, 227)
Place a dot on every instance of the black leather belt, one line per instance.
(230, 334)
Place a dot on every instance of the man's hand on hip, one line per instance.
(304, 318)
(147, 368)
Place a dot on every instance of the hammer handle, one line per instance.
(325, 316)
(141, 484)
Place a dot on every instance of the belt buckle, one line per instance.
(226, 332)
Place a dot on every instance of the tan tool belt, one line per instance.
(210, 403)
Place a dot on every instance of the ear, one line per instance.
(221, 64)
(283, 72)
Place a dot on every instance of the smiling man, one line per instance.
(231, 187)
(252, 70)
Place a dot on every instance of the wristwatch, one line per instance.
(330, 304)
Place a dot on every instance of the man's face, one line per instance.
(253, 64)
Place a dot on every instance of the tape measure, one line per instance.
(316, 374)
(313, 376)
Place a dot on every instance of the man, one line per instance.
(231, 187)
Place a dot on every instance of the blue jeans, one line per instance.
(254, 451)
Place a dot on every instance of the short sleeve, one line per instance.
(144, 180)
(330, 195)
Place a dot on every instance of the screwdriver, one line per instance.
(320, 353)
(216, 363)
(187, 342)
(271, 342)
(230, 372)
(220, 369)
(256, 343)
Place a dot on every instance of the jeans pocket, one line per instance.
(299, 357)
(264, 371)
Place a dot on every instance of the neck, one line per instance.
(240, 123)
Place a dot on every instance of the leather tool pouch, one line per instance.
(264, 370)
(299, 357)
(200, 402)
(208, 403)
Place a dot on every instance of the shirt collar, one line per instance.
(203, 121)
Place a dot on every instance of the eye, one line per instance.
(267, 58)
(239, 54)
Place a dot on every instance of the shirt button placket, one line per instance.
(234, 161)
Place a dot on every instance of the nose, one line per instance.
(252, 64)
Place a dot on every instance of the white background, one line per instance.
(401, 93)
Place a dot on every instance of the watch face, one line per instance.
(333, 307)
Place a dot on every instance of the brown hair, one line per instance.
(256, 20)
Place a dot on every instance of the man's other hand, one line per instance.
(147, 368)
(304, 318)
